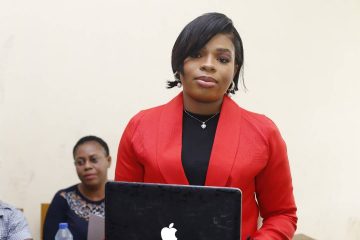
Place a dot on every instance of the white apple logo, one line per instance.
(168, 233)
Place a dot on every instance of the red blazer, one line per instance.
(248, 153)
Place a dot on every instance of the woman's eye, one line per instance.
(224, 60)
(195, 55)
(94, 160)
(79, 162)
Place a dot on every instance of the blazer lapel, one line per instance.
(170, 141)
(225, 146)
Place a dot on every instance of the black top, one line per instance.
(69, 205)
(196, 146)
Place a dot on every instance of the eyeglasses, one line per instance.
(81, 162)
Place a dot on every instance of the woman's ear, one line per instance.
(109, 161)
(236, 68)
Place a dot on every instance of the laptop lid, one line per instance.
(96, 228)
(138, 211)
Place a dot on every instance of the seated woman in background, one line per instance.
(75, 204)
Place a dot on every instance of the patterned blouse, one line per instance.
(70, 206)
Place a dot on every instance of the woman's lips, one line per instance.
(89, 176)
(205, 82)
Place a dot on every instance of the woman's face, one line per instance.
(209, 73)
(92, 164)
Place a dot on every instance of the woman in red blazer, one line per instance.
(202, 137)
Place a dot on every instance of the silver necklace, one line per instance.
(203, 123)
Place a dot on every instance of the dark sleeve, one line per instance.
(57, 213)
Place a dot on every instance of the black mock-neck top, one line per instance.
(196, 145)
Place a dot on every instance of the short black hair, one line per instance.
(91, 138)
(194, 37)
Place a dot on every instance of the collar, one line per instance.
(3, 207)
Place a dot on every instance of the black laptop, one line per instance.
(144, 211)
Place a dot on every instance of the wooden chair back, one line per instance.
(43, 211)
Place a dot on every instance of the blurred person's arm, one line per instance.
(18, 226)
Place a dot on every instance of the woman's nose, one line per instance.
(208, 64)
(88, 165)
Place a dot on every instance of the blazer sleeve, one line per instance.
(56, 214)
(274, 192)
(128, 168)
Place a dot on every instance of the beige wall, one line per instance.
(72, 68)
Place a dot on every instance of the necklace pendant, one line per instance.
(203, 125)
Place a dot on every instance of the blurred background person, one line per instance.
(75, 204)
(13, 225)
